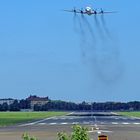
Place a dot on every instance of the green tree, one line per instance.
(15, 106)
(79, 133)
(5, 107)
(63, 136)
(25, 136)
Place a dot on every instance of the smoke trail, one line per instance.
(108, 65)
(79, 29)
(105, 27)
(89, 27)
(83, 38)
(91, 41)
(75, 21)
(109, 68)
(97, 23)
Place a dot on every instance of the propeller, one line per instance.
(102, 11)
(95, 11)
(106, 12)
(74, 9)
(81, 11)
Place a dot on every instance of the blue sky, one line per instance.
(41, 52)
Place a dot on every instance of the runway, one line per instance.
(115, 126)
(87, 119)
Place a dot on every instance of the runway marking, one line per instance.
(52, 123)
(114, 113)
(27, 124)
(41, 123)
(64, 123)
(70, 113)
(115, 123)
(125, 123)
(84, 122)
(100, 131)
(137, 123)
(75, 123)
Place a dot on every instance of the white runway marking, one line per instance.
(75, 123)
(115, 123)
(64, 123)
(28, 124)
(125, 123)
(41, 123)
(85, 122)
(99, 132)
(137, 123)
(52, 123)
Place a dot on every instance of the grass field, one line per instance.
(11, 118)
(130, 114)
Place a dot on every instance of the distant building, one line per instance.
(9, 101)
(35, 100)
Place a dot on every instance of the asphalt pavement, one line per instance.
(87, 119)
(108, 123)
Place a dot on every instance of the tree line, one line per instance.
(71, 106)
(15, 106)
(106, 106)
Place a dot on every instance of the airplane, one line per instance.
(89, 11)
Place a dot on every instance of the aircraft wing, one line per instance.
(72, 11)
(107, 12)
(75, 11)
(92, 13)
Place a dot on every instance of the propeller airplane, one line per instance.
(88, 11)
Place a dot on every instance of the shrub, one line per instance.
(63, 136)
(25, 136)
(79, 133)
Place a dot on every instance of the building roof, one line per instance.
(36, 98)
